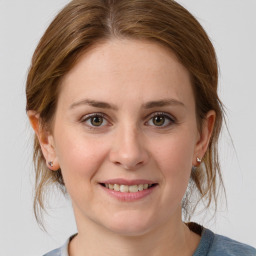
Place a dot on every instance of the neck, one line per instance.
(172, 238)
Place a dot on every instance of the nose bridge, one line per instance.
(128, 149)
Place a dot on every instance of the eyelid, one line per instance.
(86, 117)
(167, 115)
(160, 113)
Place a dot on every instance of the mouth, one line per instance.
(123, 188)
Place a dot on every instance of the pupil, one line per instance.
(159, 120)
(96, 121)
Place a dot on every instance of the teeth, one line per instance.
(133, 188)
(145, 186)
(140, 187)
(116, 187)
(126, 188)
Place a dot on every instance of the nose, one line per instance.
(128, 149)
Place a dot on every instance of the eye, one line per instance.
(95, 120)
(160, 120)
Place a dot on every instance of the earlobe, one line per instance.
(45, 139)
(204, 137)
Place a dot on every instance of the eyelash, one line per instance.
(166, 116)
(89, 118)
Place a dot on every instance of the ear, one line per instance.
(45, 139)
(204, 137)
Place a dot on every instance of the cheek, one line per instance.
(79, 158)
(174, 158)
(176, 153)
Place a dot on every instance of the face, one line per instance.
(126, 121)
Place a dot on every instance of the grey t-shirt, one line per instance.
(210, 245)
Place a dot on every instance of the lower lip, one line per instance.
(126, 196)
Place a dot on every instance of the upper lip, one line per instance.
(121, 181)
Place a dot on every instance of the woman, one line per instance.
(122, 96)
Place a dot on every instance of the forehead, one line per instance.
(132, 68)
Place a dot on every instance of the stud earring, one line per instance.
(50, 164)
(199, 160)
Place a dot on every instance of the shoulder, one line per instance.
(225, 246)
(56, 252)
(62, 251)
(216, 245)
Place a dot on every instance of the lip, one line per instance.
(128, 182)
(127, 196)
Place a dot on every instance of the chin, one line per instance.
(130, 224)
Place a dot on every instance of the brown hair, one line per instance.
(82, 24)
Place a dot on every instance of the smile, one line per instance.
(126, 188)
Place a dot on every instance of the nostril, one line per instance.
(127, 166)
(128, 160)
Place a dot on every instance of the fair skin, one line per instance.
(126, 116)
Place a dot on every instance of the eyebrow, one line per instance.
(93, 103)
(148, 105)
(163, 103)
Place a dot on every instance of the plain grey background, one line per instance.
(231, 24)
